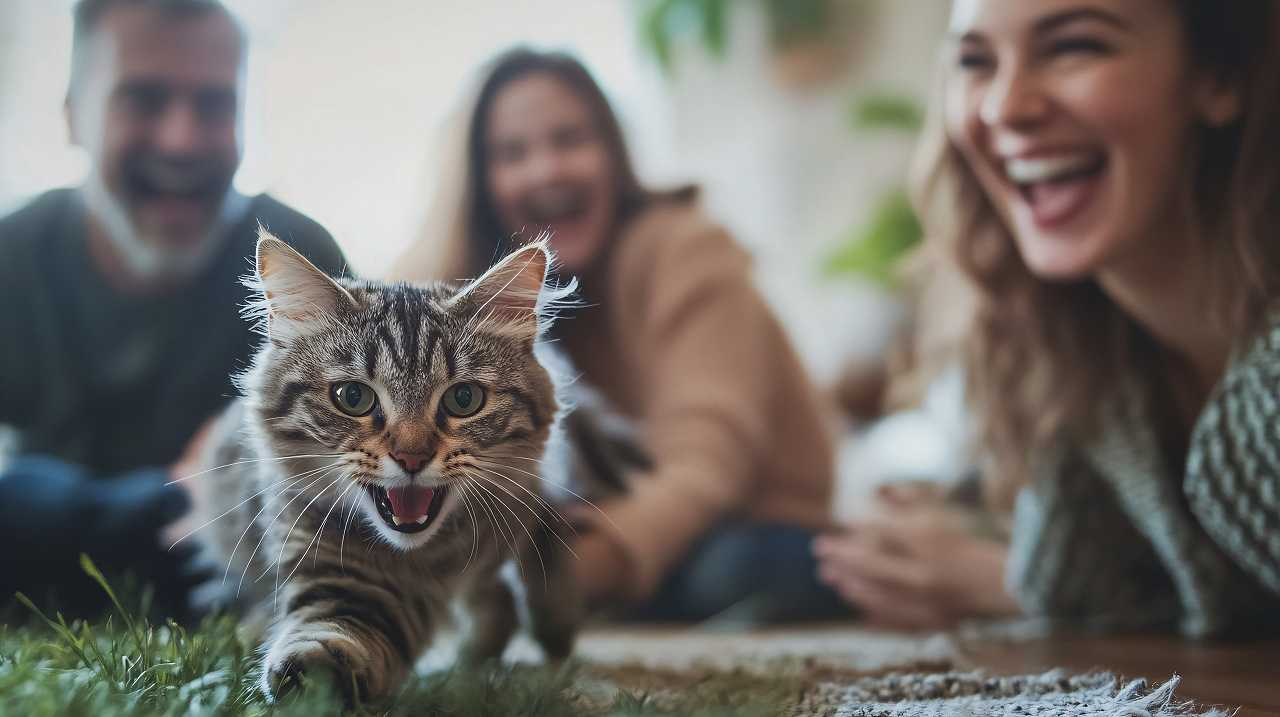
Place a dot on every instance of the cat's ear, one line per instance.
(507, 295)
(296, 297)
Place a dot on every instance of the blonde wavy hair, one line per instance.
(1039, 354)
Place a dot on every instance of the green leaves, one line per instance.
(792, 22)
(874, 250)
(715, 25)
(663, 22)
(886, 111)
(666, 20)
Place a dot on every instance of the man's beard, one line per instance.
(153, 260)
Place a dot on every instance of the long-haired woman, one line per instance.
(676, 337)
(1106, 176)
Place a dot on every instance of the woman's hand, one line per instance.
(915, 564)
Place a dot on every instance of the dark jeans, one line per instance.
(745, 574)
(52, 511)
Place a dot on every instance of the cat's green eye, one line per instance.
(353, 398)
(463, 399)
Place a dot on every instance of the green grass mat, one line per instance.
(127, 665)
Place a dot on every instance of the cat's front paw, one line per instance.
(336, 662)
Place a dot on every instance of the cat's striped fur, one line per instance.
(297, 524)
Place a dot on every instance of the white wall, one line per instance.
(35, 42)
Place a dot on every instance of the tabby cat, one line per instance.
(388, 457)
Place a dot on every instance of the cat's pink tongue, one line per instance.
(411, 503)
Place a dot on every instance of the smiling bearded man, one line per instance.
(121, 324)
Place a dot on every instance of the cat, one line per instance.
(390, 453)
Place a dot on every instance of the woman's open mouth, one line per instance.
(1056, 189)
(408, 509)
(562, 206)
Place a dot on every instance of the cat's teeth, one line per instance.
(422, 520)
(396, 519)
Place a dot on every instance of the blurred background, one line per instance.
(797, 117)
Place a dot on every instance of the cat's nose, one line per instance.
(412, 462)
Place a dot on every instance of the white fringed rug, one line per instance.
(1052, 694)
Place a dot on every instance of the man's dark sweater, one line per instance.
(104, 389)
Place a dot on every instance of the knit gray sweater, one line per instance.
(1111, 535)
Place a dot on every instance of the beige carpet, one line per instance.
(839, 648)
(829, 671)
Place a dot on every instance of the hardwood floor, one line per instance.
(1245, 675)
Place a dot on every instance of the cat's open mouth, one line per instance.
(408, 509)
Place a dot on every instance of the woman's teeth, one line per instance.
(1051, 169)
(550, 210)
(1056, 188)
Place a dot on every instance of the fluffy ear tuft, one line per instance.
(296, 297)
(513, 295)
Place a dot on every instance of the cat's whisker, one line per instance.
(480, 483)
(550, 528)
(337, 503)
(255, 460)
(284, 544)
(523, 504)
(294, 480)
(483, 504)
(265, 530)
(509, 535)
(475, 538)
(532, 543)
(540, 500)
(346, 526)
(225, 513)
(317, 476)
(554, 512)
(315, 558)
(493, 519)
(540, 505)
(279, 561)
(557, 485)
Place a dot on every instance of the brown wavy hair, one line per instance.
(1039, 354)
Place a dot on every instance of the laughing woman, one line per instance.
(1106, 175)
(676, 337)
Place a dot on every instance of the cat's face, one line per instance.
(424, 396)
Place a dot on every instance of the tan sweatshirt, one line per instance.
(683, 342)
